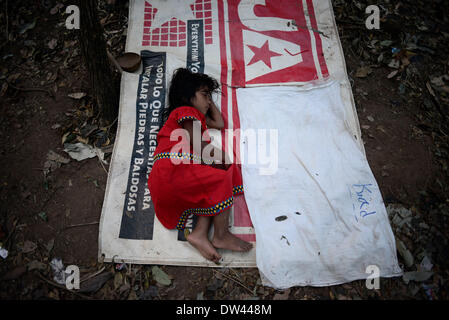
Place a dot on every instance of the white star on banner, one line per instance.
(166, 10)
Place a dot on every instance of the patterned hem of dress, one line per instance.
(180, 156)
(187, 118)
(212, 211)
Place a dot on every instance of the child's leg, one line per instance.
(223, 239)
(199, 239)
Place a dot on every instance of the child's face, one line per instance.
(202, 100)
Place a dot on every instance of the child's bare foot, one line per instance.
(230, 242)
(204, 246)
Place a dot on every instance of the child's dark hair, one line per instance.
(183, 86)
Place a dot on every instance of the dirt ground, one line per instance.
(51, 208)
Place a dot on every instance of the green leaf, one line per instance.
(43, 216)
(27, 26)
(386, 43)
(160, 276)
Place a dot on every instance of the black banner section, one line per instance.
(195, 46)
(190, 224)
(138, 211)
(195, 63)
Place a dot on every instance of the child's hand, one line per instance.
(226, 161)
(214, 118)
(220, 166)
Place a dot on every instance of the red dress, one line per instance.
(183, 188)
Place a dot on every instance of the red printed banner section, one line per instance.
(274, 42)
(165, 21)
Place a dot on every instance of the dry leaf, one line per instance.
(96, 283)
(52, 43)
(82, 140)
(4, 88)
(405, 62)
(77, 95)
(430, 89)
(392, 74)
(79, 151)
(64, 137)
(53, 295)
(363, 72)
(56, 8)
(132, 296)
(53, 156)
(29, 246)
(36, 265)
(394, 64)
(381, 128)
(437, 81)
(118, 280)
(282, 296)
(49, 246)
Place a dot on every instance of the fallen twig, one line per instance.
(236, 281)
(62, 287)
(81, 224)
(114, 62)
(51, 94)
(236, 274)
(11, 233)
(93, 274)
(101, 161)
(109, 126)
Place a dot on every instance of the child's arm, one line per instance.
(188, 126)
(214, 118)
(197, 148)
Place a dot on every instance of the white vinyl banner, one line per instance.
(310, 199)
(316, 208)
